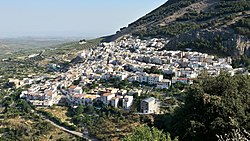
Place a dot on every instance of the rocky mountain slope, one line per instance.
(213, 26)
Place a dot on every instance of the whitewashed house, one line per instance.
(114, 102)
(154, 78)
(106, 97)
(149, 106)
(127, 102)
(75, 90)
(164, 84)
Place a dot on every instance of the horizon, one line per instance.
(89, 19)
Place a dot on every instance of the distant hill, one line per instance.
(4, 48)
(213, 26)
(8, 46)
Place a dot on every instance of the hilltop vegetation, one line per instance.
(243, 27)
(191, 18)
(163, 11)
(171, 30)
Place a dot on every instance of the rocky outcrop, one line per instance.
(236, 45)
(242, 45)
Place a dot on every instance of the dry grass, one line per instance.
(16, 122)
(53, 133)
(57, 134)
(59, 112)
(113, 129)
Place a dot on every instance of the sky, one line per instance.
(66, 18)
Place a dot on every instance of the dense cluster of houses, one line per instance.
(126, 59)
(42, 94)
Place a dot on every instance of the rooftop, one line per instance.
(106, 94)
(150, 99)
(78, 95)
(72, 87)
(91, 96)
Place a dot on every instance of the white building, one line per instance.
(165, 84)
(77, 99)
(155, 78)
(114, 101)
(106, 97)
(181, 80)
(127, 102)
(149, 106)
(89, 99)
(75, 90)
(142, 78)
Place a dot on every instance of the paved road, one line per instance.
(79, 134)
(66, 130)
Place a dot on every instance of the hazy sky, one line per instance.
(70, 17)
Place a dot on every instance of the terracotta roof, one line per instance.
(78, 95)
(49, 93)
(91, 96)
(72, 87)
(106, 94)
(115, 98)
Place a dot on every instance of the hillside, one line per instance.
(4, 48)
(204, 25)
(11, 46)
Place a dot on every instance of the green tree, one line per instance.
(213, 106)
(89, 109)
(145, 133)
(25, 107)
(7, 101)
(79, 110)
